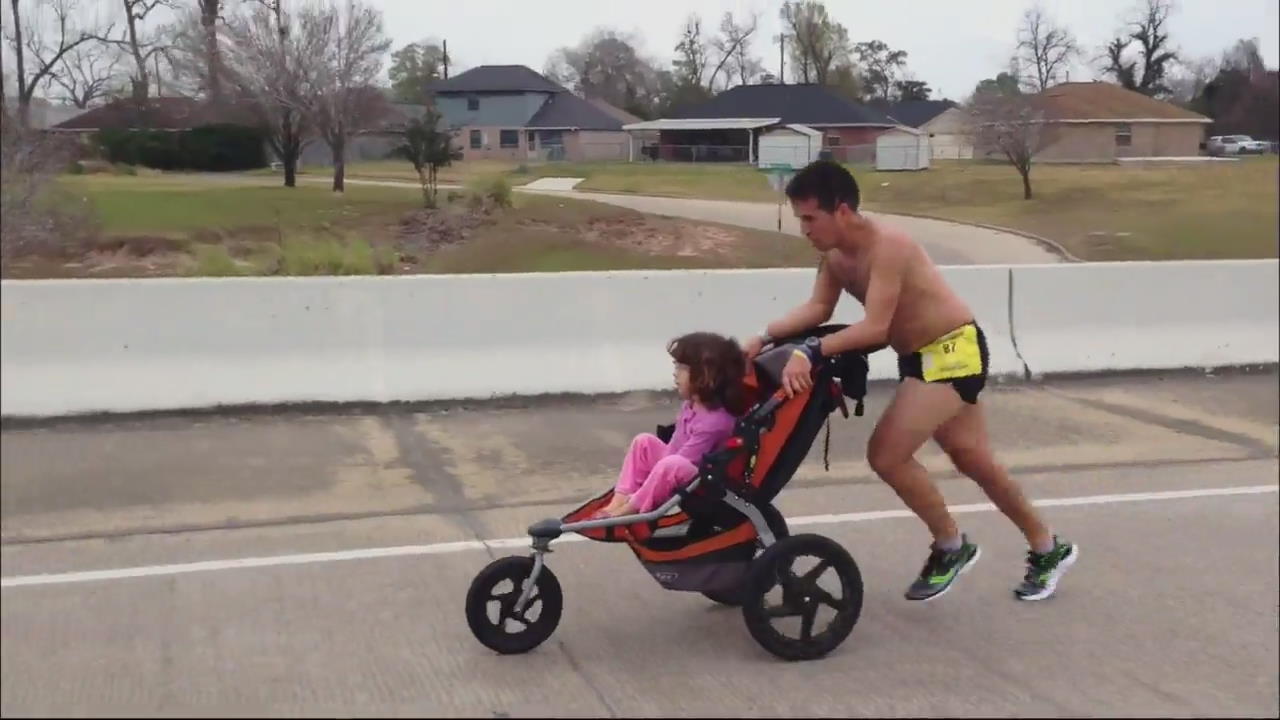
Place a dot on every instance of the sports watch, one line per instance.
(813, 348)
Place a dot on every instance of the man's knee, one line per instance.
(883, 458)
(974, 461)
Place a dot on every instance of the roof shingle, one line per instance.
(566, 110)
(495, 78)
(795, 104)
(159, 113)
(1107, 101)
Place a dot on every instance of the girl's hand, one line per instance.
(795, 376)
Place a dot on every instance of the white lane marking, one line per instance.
(464, 545)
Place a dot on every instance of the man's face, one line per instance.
(819, 226)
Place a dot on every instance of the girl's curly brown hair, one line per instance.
(717, 367)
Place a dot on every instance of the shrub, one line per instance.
(209, 148)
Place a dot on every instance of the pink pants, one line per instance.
(649, 477)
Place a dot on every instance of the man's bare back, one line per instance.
(927, 307)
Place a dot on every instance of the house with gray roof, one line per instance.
(728, 126)
(511, 112)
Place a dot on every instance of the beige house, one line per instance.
(949, 136)
(1102, 122)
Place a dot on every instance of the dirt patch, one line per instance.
(658, 236)
(423, 231)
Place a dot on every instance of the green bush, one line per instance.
(210, 148)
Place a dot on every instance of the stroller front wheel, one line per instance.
(800, 600)
(491, 602)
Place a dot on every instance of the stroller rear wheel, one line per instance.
(778, 525)
(491, 601)
(802, 597)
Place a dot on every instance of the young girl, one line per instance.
(708, 375)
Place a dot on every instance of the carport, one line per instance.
(701, 139)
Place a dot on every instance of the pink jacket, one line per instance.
(698, 432)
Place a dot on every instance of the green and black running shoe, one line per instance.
(1043, 571)
(941, 569)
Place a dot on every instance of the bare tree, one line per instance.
(275, 63)
(88, 72)
(141, 49)
(1010, 124)
(691, 59)
(29, 43)
(345, 99)
(1045, 47)
(209, 15)
(1149, 31)
(818, 44)
(733, 45)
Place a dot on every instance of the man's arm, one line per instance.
(883, 288)
(819, 308)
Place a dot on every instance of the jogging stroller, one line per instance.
(725, 539)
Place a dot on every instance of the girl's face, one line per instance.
(681, 377)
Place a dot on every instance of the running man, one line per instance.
(942, 364)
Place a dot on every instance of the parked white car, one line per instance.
(1235, 145)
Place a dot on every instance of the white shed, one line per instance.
(902, 148)
(794, 145)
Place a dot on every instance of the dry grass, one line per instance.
(165, 226)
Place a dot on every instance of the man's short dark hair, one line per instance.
(827, 182)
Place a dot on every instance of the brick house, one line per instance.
(510, 112)
(1103, 122)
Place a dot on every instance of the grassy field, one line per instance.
(1098, 212)
(181, 225)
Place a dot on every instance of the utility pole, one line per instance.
(782, 59)
(444, 49)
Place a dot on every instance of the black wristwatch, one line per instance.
(813, 348)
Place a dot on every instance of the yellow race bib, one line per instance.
(954, 355)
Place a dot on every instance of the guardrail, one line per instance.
(102, 346)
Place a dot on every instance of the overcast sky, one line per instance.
(951, 45)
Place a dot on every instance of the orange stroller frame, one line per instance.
(725, 539)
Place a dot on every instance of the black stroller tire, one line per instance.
(764, 576)
(778, 524)
(493, 635)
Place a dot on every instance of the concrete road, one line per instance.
(1168, 483)
(947, 243)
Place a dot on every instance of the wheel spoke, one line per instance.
(783, 610)
(825, 598)
(811, 577)
(807, 616)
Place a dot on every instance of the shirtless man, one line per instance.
(942, 364)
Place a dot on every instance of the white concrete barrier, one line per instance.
(74, 347)
(1146, 315)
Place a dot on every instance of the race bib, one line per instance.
(954, 355)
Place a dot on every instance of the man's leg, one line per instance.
(917, 411)
(965, 440)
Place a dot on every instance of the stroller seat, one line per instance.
(769, 443)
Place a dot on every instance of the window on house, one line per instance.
(1124, 136)
(832, 140)
(509, 138)
(531, 139)
(477, 139)
(473, 104)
